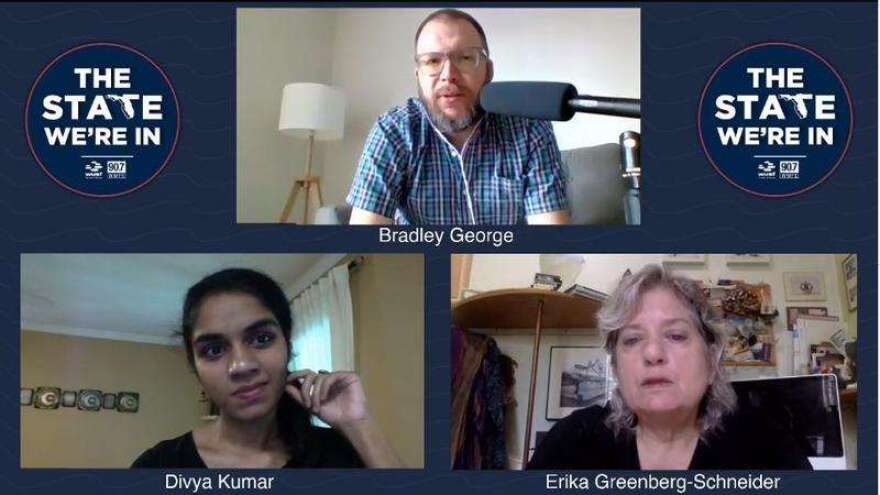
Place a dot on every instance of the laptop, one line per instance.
(809, 405)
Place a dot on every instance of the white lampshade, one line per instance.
(307, 107)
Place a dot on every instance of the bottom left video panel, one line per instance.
(222, 360)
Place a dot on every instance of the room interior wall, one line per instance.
(69, 438)
(274, 47)
(387, 294)
(602, 272)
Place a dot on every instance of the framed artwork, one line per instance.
(804, 286)
(748, 259)
(109, 401)
(89, 400)
(684, 259)
(578, 379)
(851, 277)
(68, 398)
(792, 313)
(47, 397)
(27, 396)
(128, 402)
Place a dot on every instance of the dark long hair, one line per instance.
(292, 418)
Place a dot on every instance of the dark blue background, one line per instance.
(65, 162)
(190, 207)
(738, 162)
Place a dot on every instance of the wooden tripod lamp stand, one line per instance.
(315, 112)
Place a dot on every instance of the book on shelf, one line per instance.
(581, 291)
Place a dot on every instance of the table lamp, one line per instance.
(312, 111)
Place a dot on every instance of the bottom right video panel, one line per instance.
(654, 361)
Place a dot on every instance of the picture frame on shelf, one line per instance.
(68, 398)
(89, 400)
(804, 286)
(128, 402)
(851, 279)
(47, 397)
(684, 259)
(577, 379)
(27, 396)
(792, 313)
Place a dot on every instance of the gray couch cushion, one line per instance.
(333, 215)
(595, 188)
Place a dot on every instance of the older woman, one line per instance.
(673, 407)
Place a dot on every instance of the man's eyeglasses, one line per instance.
(465, 60)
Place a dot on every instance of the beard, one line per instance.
(448, 125)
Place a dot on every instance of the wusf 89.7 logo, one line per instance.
(775, 119)
(102, 119)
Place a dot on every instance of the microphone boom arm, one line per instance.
(618, 107)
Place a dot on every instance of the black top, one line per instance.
(325, 448)
(747, 441)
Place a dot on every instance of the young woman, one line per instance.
(236, 331)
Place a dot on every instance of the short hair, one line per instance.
(617, 311)
(455, 15)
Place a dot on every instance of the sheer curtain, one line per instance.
(323, 329)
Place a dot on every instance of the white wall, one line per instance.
(602, 272)
(369, 52)
(274, 47)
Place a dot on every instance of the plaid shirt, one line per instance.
(408, 171)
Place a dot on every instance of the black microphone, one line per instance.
(631, 171)
(551, 101)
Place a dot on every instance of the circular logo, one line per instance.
(102, 119)
(775, 119)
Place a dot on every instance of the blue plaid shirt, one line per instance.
(409, 172)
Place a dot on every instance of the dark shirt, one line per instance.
(747, 441)
(325, 448)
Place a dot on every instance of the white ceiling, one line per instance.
(136, 297)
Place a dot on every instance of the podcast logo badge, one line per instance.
(102, 119)
(775, 119)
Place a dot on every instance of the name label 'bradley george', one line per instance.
(457, 235)
(194, 484)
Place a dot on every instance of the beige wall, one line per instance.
(68, 437)
(387, 293)
(274, 47)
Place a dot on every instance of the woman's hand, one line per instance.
(337, 398)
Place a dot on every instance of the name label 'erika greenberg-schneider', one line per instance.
(102, 119)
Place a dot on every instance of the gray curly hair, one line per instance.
(719, 399)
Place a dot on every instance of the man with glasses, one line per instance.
(440, 159)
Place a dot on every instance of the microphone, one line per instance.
(551, 101)
(631, 171)
(630, 157)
